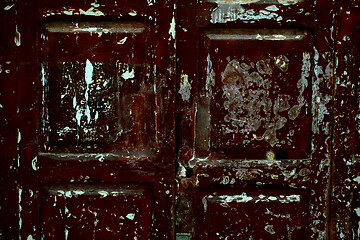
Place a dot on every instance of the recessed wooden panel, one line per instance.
(253, 214)
(259, 85)
(97, 81)
(96, 211)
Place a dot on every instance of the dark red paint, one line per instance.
(254, 105)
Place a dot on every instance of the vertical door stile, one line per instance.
(345, 204)
(9, 190)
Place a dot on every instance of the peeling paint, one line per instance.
(128, 74)
(185, 87)
(282, 2)
(34, 164)
(245, 104)
(172, 31)
(122, 41)
(270, 229)
(17, 38)
(20, 210)
(8, 7)
(130, 216)
(133, 13)
(225, 12)
(92, 11)
(30, 237)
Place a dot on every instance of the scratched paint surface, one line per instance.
(96, 212)
(278, 220)
(89, 44)
(92, 99)
(259, 100)
(255, 132)
(90, 91)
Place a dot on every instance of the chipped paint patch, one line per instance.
(122, 41)
(30, 237)
(210, 76)
(92, 11)
(246, 105)
(17, 38)
(270, 229)
(357, 179)
(319, 109)
(34, 164)
(129, 74)
(19, 136)
(20, 209)
(172, 31)
(225, 12)
(103, 193)
(8, 7)
(130, 216)
(282, 2)
(185, 87)
(133, 13)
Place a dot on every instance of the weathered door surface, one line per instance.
(87, 98)
(254, 114)
(345, 209)
(194, 119)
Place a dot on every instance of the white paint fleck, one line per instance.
(128, 74)
(225, 180)
(68, 194)
(133, 13)
(289, 2)
(272, 8)
(270, 229)
(122, 41)
(20, 209)
(19, 136)
(227, 12)
(89, 72)
(210, 76)
(185, 87)
(234, 1)
(103, 193)
(243, 198)
(357, 210)
(319, 110)
(34, 165)
(8, 7)
(78, 192)
(172, 31)
(66, 233)
(17, 38)
(130, 216)
(91, 12)
(357, 179)
(30, 237)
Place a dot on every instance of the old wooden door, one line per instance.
(87, 98)
(254, 111)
